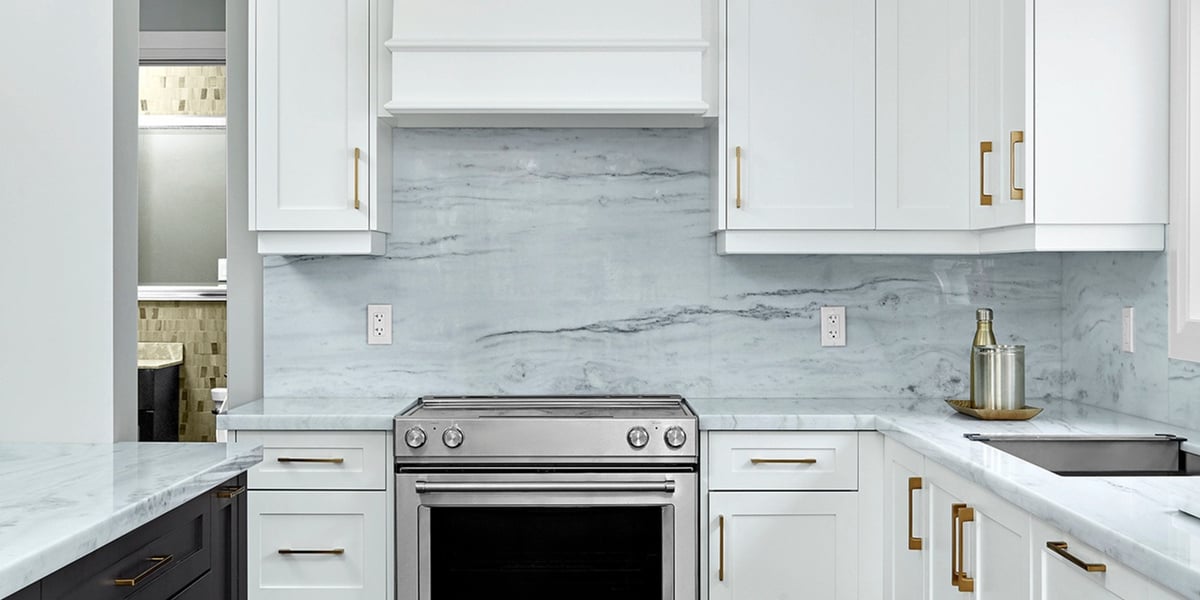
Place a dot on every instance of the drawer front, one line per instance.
(155, 561)
(315, 545)
(770, 460)
(319, 460)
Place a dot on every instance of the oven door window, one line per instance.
(550, 552)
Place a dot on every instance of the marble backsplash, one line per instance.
(580, 261)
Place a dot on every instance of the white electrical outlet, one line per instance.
(379, 324)
(1127, 329)
(833, 325)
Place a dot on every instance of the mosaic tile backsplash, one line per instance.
(193, 90)
(200, 326)
(580, 261)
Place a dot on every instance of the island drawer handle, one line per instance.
(231, 491)
(158, 563)
(1060, 548)
(334, 551)
(783, 461)
(286, 459)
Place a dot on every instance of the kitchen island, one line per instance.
(61, 502)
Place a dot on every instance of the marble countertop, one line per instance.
(1135, 520)
(314, 414)
(59, 502)
(159, 355)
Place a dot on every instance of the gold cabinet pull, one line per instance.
(231, 491)
(1060, 548)
(984, 199)
(157, 562)
(334, 551)
(737, 153)
(288, 459)
(1014, 138)
(357, 156)
(954, 543)
(914, 543)
(783, 461)
(965, 515)
(721, 548)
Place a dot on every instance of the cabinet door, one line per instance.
(904, 521)
(783, 545)
(924, 100)
(228, 574)
(310, 70)
(1060, 579)
(801, 107)
(987, 88)
(941, 540)
(1013, 202)
(312, 545)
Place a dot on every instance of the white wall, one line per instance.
(68, 220)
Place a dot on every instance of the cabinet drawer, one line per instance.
(155, 561)
(319, 460)
(768, 460)
(317, 545)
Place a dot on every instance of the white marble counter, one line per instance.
(314, 414)
(1135, 520)
(59, 502)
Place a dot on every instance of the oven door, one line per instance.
(546, 535)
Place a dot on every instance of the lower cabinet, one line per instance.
(1066, 568)
(784, 545)
(188, 553)
(310, 544)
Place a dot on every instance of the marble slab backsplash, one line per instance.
(546, 261)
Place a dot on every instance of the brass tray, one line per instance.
(1017, 414)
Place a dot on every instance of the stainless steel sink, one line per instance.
(1111, 456)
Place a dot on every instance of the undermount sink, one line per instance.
(1098, 456)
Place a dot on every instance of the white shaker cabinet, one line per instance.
(800, 114)
(320, 176)
(1063, 567)
(906, 545)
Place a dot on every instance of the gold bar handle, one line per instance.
(231, 491)
(158, 562)
(954, 543)
(1060, 548)
(357, 156)
(721, 548)
(984, 199)
(334, 551)
(288, 459)
(966, 515)
(1014, 138)
(783, 461)
(737, 153)
(914, 543)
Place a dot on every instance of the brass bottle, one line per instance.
(983, 337)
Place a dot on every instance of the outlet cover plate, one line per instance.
(833, 326)
(379, 324)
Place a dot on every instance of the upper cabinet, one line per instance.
(980, 144)
(320, 168)
(548, 62)
(801, 114)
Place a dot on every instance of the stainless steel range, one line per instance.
(547, 497)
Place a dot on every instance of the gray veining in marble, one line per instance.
(1134, 520)
(314, 414)
(580, 261)
(59, 502)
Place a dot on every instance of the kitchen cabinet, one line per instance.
(603, 62)
(190, 552)
(320, 159)
(1063, 567)
(983, 145)
(320, 509)
(905, 550)
(801, 146)
(784, 545)
(792, 514)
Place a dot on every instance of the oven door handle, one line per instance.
(426, 487)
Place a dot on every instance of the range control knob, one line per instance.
(414, 437)
(452, 437)
(675, 437)
(638, 437)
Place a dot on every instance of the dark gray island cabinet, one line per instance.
(194, 552)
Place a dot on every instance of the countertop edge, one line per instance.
(56, 555)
